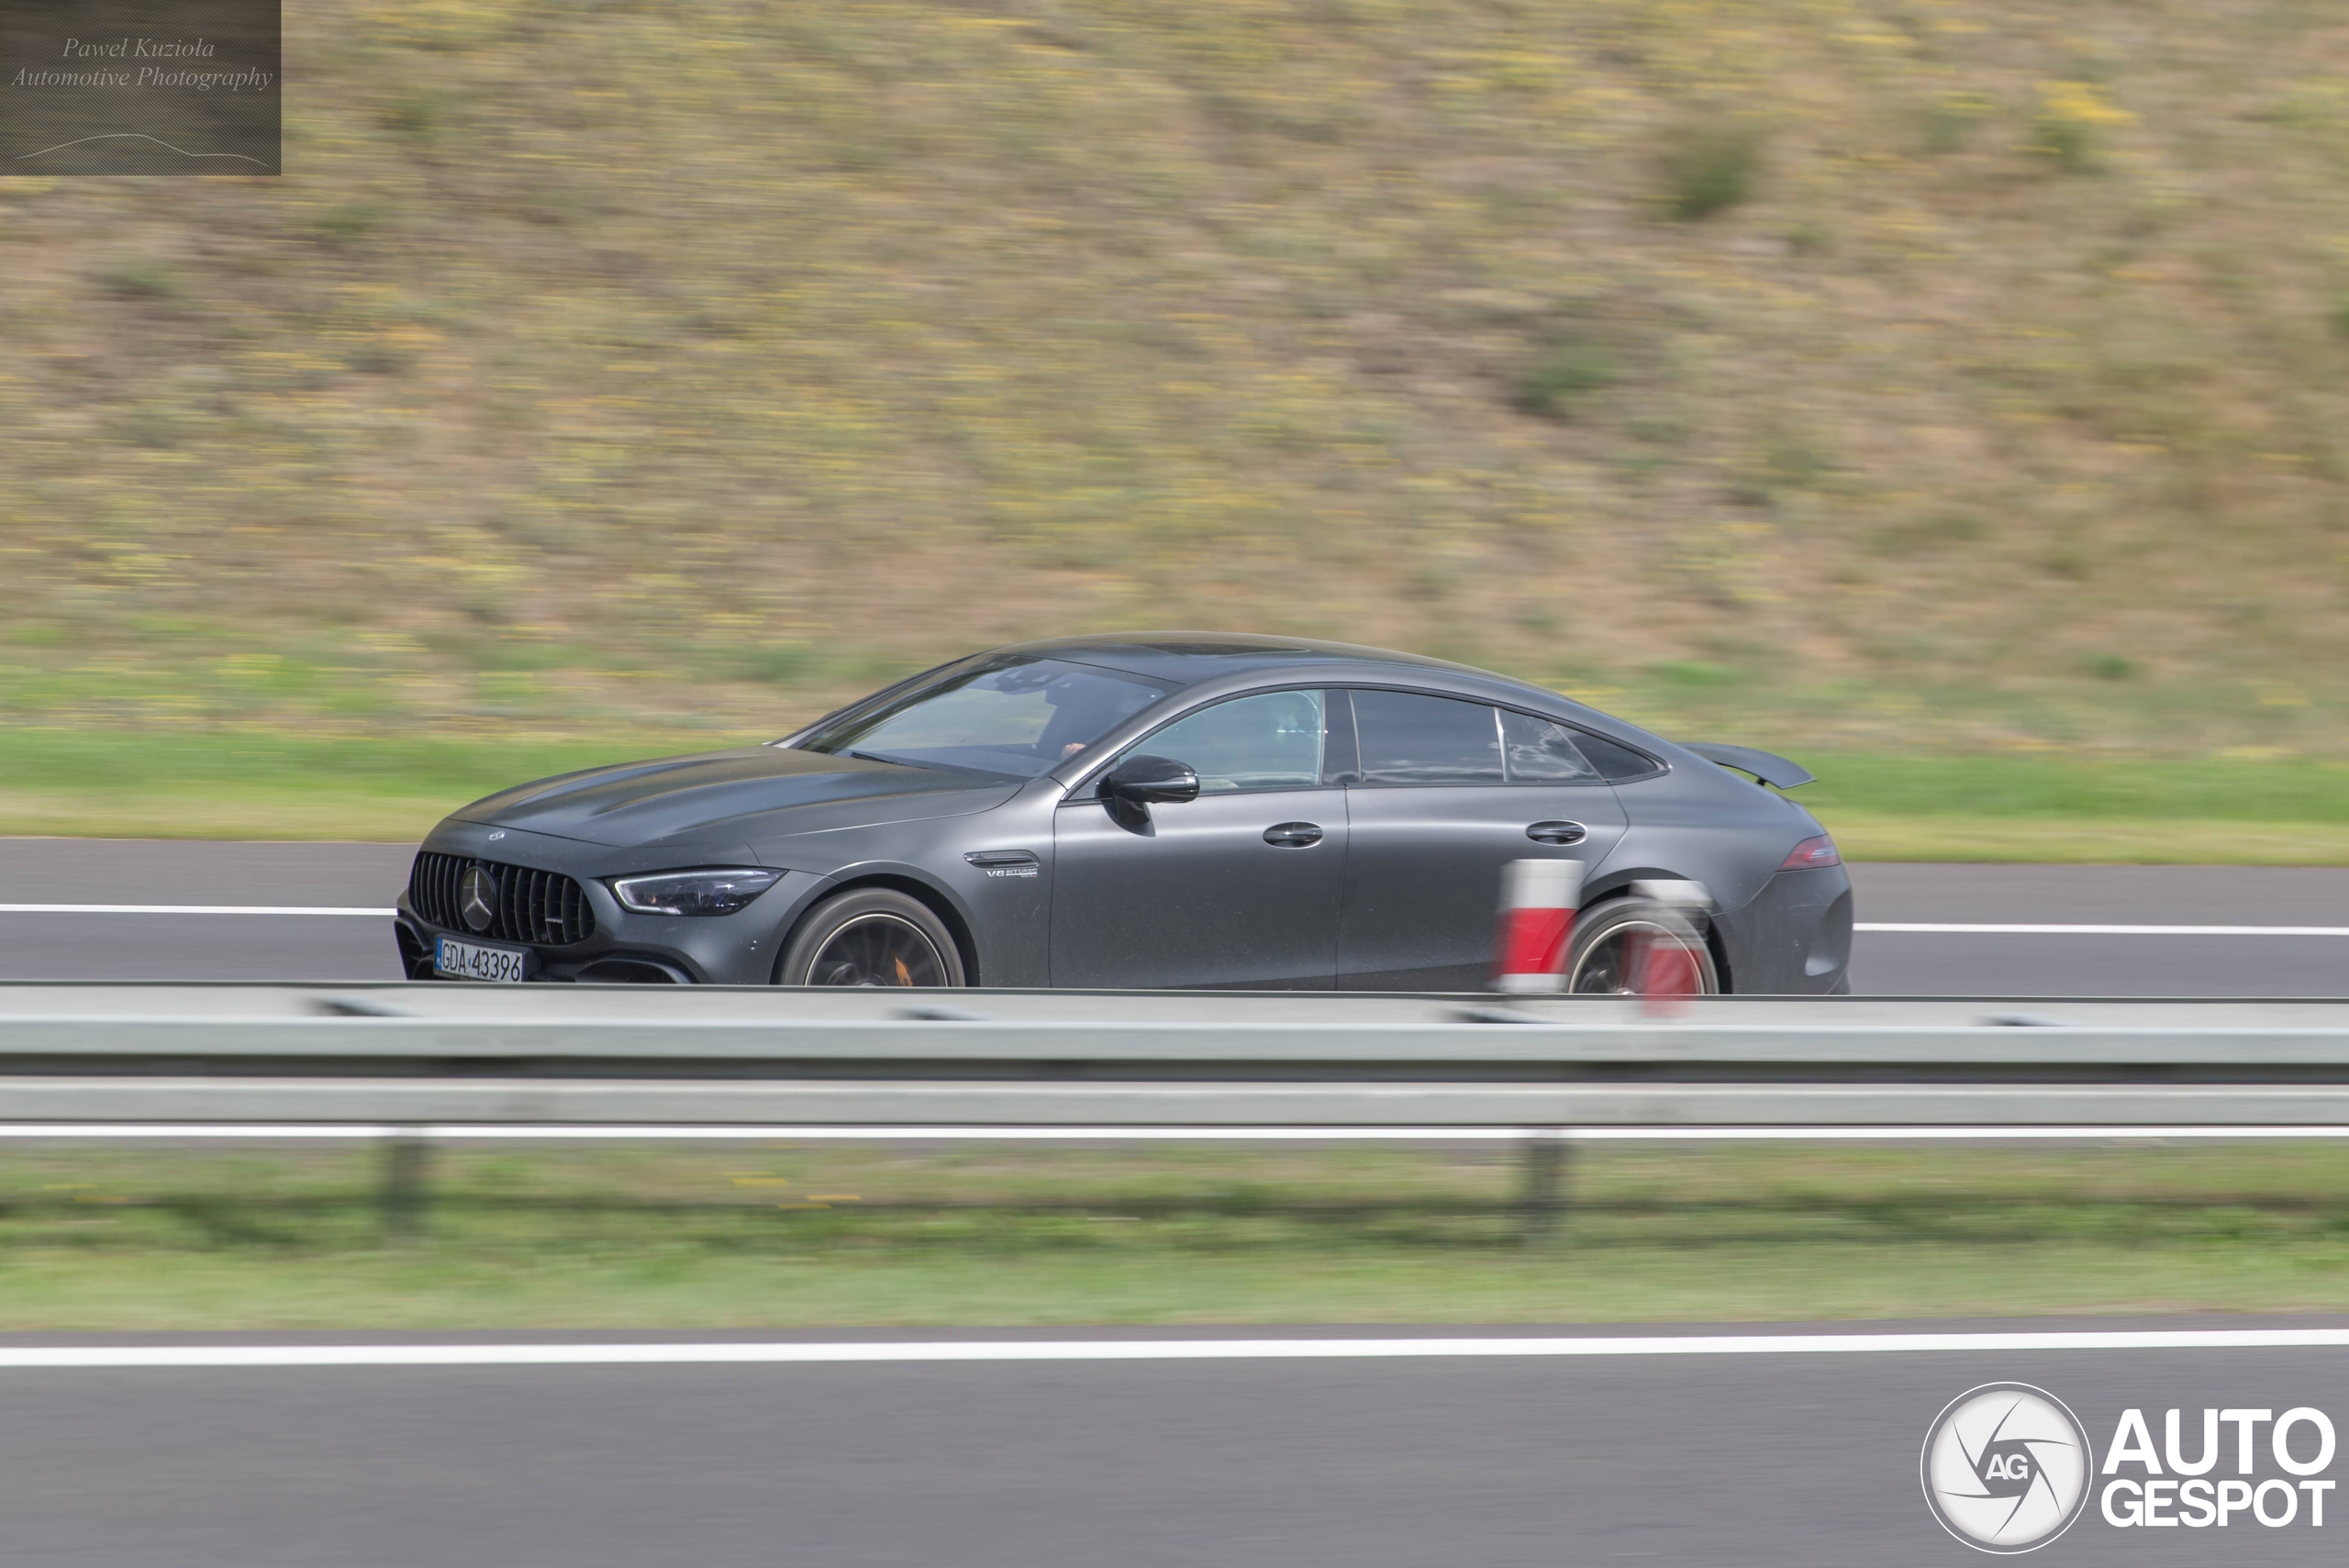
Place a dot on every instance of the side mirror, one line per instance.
(1141, 781)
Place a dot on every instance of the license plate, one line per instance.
(472, 961)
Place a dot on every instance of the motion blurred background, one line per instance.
(1952, 394)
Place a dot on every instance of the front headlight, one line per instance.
(692, 892)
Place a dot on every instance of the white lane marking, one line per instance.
(456, 1132)
(785, 1353)
(189, 909)
(1936, 928)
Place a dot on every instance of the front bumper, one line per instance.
(624, 946)
(590, 961)
(675, 949)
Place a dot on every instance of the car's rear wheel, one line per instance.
(1605, 957)
(873, 936)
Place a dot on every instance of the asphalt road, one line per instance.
(2081, 964)
(188, 947)
(1808, 1460)
(197, 947)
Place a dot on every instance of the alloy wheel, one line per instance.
(877, 950)
(1605, 968)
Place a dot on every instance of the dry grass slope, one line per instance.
(1964, 370)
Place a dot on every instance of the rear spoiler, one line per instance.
(1774, 770)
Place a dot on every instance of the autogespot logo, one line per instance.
(2005, 1467)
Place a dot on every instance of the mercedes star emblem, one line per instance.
(477, 898)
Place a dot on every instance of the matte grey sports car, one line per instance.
(1181, 809)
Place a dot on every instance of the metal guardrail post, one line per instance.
(407, 1158)
(1541, 1200)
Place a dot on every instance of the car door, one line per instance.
(1237, 888)
(1447, 792)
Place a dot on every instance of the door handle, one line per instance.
(1293, 835)
(1558, 832)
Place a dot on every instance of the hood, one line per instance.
(686, 797)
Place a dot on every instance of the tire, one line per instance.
(1596, 955)
(871, 937)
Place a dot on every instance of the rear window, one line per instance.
(1614, 762)
(1408, 738)
(1543, 752)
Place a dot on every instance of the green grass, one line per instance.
(2082, 789)
(84, 783)
(2018, 807)
(2152, 810)
(799, 1236)
(2047, 841)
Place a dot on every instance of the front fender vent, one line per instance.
(543, 908)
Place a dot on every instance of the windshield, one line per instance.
(1015, 714)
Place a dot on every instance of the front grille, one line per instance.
(544, 908)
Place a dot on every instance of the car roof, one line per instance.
(1186, 658)
(1213, 664)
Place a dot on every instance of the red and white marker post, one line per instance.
(1664, 970)
(1538, 902)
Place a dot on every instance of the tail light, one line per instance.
(1811, 854)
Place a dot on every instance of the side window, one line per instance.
(1614, 761)
(1272, 741)
(1407, 739)
(1542, 753)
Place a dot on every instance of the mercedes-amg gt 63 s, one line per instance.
(1177, 810)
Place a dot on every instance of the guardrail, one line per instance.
(419, 1064)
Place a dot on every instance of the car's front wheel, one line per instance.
(1613, 943)
(872, 937)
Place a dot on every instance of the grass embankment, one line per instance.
(2012, 807)
(782, 1236)
(1896, 372)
